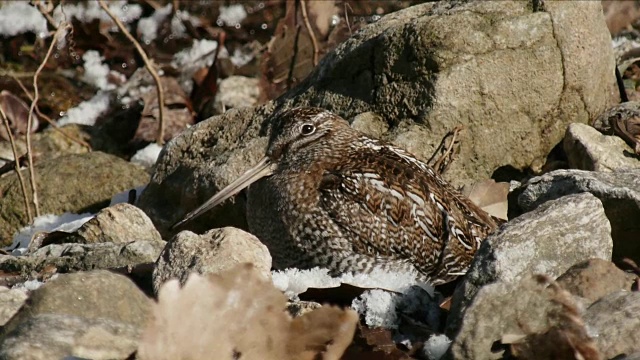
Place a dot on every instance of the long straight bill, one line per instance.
(262, 169)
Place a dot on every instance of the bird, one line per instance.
(326, 195)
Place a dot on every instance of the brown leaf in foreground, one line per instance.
(17, 112)
(239, 315)
(567, 339)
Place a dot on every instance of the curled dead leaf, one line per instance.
(17, 113)
(238, 314)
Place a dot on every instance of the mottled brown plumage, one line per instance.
(332, 197)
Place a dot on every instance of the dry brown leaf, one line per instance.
(628, 128)
(177, 112)
(17, 112)
(238, 314)
(490, 196)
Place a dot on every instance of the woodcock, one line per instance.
(330, 196)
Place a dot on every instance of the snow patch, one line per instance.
(148, 27)
(199, 55)
(17, 17)
(123, 197)
(436, 346)
(378, 308)
(66, 222)
(91, 10)
(147, 157)
(232, 15)
(96, 73)
(87, 112)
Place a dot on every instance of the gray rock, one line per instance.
(548, 241)
(69, 183)
(588, 149)
(83, 257)
(120, 224)
(426, 69)
(235, 92)
(50, 143)
(595, 278)
(614, 319)
(54, 336)
(90, 295)
(619, 192)
(215, 251)
(11, 300)
(499, 309)
(370, 123)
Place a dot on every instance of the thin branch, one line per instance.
(314, 42)
(32, 173)
(346, 16)
(444, 160)
(42, 7)
(147, 64)
(48, 119)
(16, 161)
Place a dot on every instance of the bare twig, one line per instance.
(34, 189)
(314, 42)
(46, 9)
(48, 119)
(16, 161)
(147, 64)
(346, 16)
(444, 160)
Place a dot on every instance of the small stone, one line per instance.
(120, 224)
(90, 295)
(213, 252)
(588, 149)
(547, 240)
(55, 336)
(615, 321)
(594, 279)
(619, 192)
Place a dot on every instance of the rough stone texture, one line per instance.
(90, 295)
(595, 278)
(547, 240)
(10, 303)
(213, 252)
(120, 224)
(235, 92)
(425, 69)
(53, 336)
(615, 320)
(83, 257)
(588, 149)
(498, 309)
(49, 143)
(74, 183)
(619, 192)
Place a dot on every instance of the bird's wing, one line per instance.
(393, 205)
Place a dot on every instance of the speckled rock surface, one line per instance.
(424, 70)
(547, 240)
(213, 252)
(74, 183)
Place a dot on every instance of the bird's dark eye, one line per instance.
(307, 129)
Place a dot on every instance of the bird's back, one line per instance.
(393, 205)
